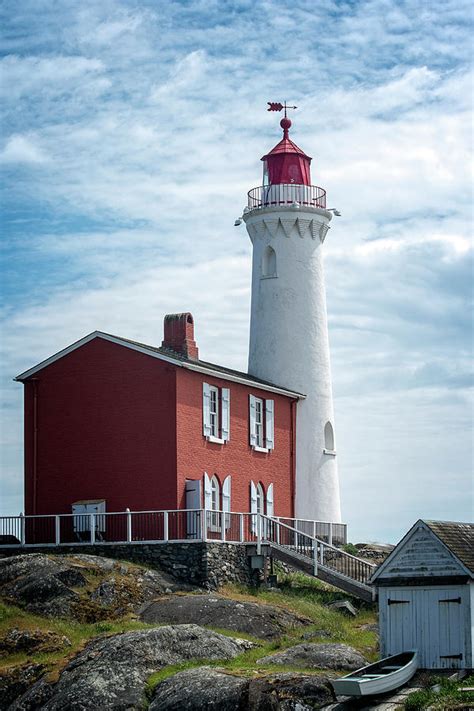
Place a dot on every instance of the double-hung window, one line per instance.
(259, 422)
(216, 413)
(262, 427)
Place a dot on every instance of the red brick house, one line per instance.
(153, 428)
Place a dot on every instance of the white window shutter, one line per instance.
(270, 507)
(225, 399)
(206, 409)
(207, 492)
(253, 498)
(253, 430)
(269, 424)
(253, 507)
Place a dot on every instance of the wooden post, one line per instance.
(92, 527)
(330, 534)
(165, 525)
(241, 526)
(315, 558)
(57, 530)
(222, 516)
(22, 529)
(129, 525)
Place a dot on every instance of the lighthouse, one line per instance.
(287, 222)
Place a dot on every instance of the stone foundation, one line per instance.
(205, 564)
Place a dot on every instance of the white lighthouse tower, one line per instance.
(287, 221)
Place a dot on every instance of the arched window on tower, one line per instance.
(328, 439)
(269, 262)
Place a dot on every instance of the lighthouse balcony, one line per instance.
(286, 195)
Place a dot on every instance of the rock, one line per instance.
(344, 606)
(289, 692)
(318, 656)
(55, 585)
(111, 672)
(198, 689)
(206, 689)
(263, 621)
(15, 680)
(16, 640)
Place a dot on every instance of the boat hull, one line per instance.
(359, 683)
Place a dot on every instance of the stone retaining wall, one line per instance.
(205, 564)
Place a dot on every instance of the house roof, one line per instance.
(458, 537)
(169, 356)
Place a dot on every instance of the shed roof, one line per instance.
(446, 549)
(458, 537)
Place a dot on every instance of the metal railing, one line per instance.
(286, 194)
(315, 551)
(148, 526)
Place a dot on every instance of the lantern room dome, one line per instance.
(286, 162)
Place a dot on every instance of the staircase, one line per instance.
(314, 557)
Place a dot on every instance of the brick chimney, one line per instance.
(179, 335)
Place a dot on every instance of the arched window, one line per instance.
(260, 499)
(269, 262)
(215, 494)
(328, 437)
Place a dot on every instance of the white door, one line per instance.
(193, 502)
(451, 606)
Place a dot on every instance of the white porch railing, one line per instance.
(151, 527)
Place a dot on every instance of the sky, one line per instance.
(131, 133)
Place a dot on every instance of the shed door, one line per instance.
(431, 620)
(451, 629)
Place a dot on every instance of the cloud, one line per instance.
(21, 149)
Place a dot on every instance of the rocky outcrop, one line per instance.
(263, 621)
(206, 689)
(111, 672)
(317, 656)
(85, 587)
(201, 688)
(14, 681)
(32, 641)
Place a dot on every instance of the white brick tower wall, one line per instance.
(289, 340)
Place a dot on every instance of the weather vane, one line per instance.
(277, 106)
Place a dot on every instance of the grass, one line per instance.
(298, 593)
(447, 698)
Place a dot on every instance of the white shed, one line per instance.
(426, 595)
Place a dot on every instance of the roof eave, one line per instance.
(22, 377)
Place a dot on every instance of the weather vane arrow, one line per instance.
(277, 106)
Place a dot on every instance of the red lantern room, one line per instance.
(286, 163)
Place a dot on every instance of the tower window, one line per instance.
(269, 262)
(328, 439)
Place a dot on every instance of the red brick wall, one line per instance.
(196, 455)
(106, 428)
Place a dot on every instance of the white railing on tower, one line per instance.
(286, 194)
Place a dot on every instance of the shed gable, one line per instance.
(421, 555)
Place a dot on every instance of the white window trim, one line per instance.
(260, 449)
(331, 452)
(216, 440)
(215, 513)
(267, 440)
